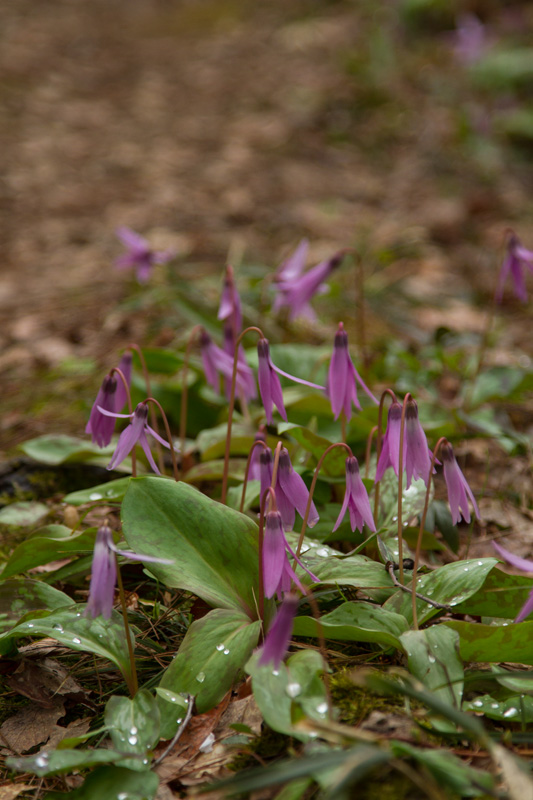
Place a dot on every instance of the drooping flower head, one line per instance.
(291, 492)
(390, 446)
(295, 293)
(134, 433)
(254, 473)
(279, 635)
(230, 303)
(100, 426)
(104, 572)
(417, 453)
(139, 254)
(293, 266)
(216, 362)
(245, 376)
(343, 378)
(355, 499)
(277, 571)
(458, 488)
(524, 566)
(517, 257)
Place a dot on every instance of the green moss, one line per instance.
(354, 703)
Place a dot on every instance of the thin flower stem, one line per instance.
(275, 465)
(231, 408)
(322, 645)
(130, 409)
(272, 501)
(247, 470)
(440, 442)
(169, 436)
(312, 489)
(369, 449)
(153, 416)
(183, 724)
(185, 390)
(407, 397)
(378, 444)
(343, 426)
(132, 681)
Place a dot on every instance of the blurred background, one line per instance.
(230, 129)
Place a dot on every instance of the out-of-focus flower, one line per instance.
(355, 499)
(390, 446)
(104, 572)
(343, 378)
(279, 635)
(524, 566)
(277, 571)
(294, 265)
(133, 434)
(100, 426)
(458, 488)
(297, 292)
(269, 385)
(517, 257)
(216, 361)
(125, 367)
(139, 254)
(470, 41)
(230, 302)
(245, 376)
(291, 492)
(417, 453)
(254, 473)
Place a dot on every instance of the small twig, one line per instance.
(177, 735)
(389, 566)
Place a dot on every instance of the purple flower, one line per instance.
(133, 434)
(254, 473)
(277, 571)
(343, 378)
(297, 292)
(524, 566)
(293, 266)
(230, 303)
(269, 385)
(245, 376)
(291, 492)
(458, 488)
(517, 257)
(417, 453)
(355, 499)
(279, 635)
(100, 426)
(139, 255)
(125, 367)
(390, 446)
(470, 39)
(215, 361)
(104, 573)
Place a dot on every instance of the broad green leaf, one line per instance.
(133, 726)
(280, 692)
(358, 571)
(357, 622)
(513, 709)
(57, 449)
(214, 470)
(502, 595)
(433, 658)
(213, 652)
(160, 360)
(19, 597)
(429, 540)
(251, 497)
(52, 543)
(450, 584)
(68, 626)
(447, 768)
(335, 461)
(512, 643)
(56, 762)
(113, 783)
(211, 442)
(172, 709)
(517, 681)
(23, 514)
(111, 491)
(413, 499)
(214, 548)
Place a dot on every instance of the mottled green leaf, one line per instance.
(433, 658)
(133, 726)
(52, 543)
(357, 622)
(23, 595)
(112, 491)
(478, 642)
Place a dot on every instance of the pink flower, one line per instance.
(517, 257)
(134, 434)
(100, 426)
(279, 635)
(458, 488)
(293, 266)
(390, 446)
(216, 361)
(355, 499)
(139, 255)
(343, 378)
(277, 571)
(417, 453)
(230, 303)
(524, 566)
(291, 492)
(296, 292)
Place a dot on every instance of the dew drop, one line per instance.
(275, 672)
(510, 712)
(96, 496)
(122, 796)
(478, 703)
(431, 659)
(495, 705)
(200, 677)
(145, 761)
(207, 744)
(480, 563)
(304, 548)
(110, 493)
(226, 652)
(293, 689)
(322, 552)
(78, 613)
(30, 624)
(505, 624)
(57, 627)
(179, 721)
(322, 708)
(173, 699)
(465, 569)
(132, 739)
(313, 734)
(76, 640)
(133, 730)
(220, 647)
(42, 760)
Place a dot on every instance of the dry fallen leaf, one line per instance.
(43, 680)
(13, 790)
(30, 726)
